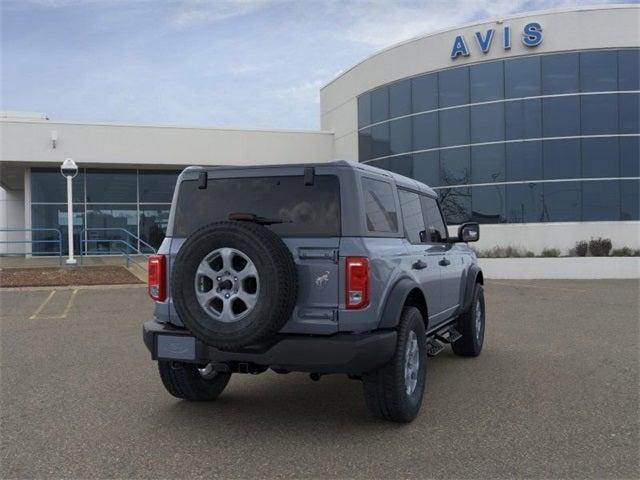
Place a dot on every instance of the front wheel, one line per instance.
(471, 326)
(190, 382)
(395, 391)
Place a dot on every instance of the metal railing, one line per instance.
(31, 241)
(131, 246)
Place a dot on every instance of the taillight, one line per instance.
(357, 288)
(157, 277)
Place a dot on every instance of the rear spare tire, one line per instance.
(234, 284)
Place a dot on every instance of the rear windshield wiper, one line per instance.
(252, 217)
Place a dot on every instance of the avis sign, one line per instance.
(531, 37)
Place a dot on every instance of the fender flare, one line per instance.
(395, 302)
(472, 278)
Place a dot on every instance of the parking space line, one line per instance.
(66, 309)
(42, 305)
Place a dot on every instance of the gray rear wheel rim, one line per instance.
(227, 284)
(411, 363)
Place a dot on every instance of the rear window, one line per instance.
(306, 210)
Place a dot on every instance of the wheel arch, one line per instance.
(474, 275)
(405, 292)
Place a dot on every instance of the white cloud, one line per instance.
(197, 12)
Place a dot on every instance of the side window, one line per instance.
(412, 216)
(380, 207)
(433, 218)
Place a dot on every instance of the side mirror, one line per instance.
(469, 232)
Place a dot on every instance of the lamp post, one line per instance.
(69, 169)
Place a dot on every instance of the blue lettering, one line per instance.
(532, 35)
(485, 43)
(506, 38)
(459, 48)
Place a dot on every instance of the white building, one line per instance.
(527, 124)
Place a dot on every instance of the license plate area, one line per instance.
(176, 347)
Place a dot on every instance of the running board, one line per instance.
(435, 342)
(449, 336)
(434, 347)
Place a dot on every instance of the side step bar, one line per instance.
(436, 341)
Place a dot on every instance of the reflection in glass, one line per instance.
(116, 218)
(599, 114)
(629, 69)
(157, 186)
(487, 123)
(456, 204)
(424, 93)
(599, 71)
(561, 159)
(561, 116)
(487, 164)
(629, 113)
(522, 77)
(55, 216)
(523, 161)
(600, 200)
(630, 156)
(425, 131)
(523, 119)
(112, 186)
(560, 73)
(364, 110)
(453, 87)
(49, 186)
(400, 135)
(600, 157)
(488, 204)
(630, 200)
(365, 145)
(380, 140)
(400, 98)
(562, 201)
(411, 215)
(454, 166)
(454, 127)
(487, 81)
(379, 104)
(524, 203)
(379, 205)
(426, 168)
(153, 224)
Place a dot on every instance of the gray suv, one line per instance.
(321, 268)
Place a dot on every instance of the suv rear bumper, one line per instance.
(341, 353)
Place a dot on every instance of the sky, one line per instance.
(227, 63)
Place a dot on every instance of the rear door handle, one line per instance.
(444, 261)
(419, 265)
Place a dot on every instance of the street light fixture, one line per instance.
(69, 169)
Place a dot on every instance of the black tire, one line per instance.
(385, 390)
(470, 345)
(183, 380)
(276, 296)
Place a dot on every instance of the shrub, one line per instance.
(581, 249)
(600, 247)
(505, 252)
(550, 252)
(625, 252)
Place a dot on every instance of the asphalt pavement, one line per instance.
(554, 394)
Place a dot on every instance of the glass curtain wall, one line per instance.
(116, 206)
(545, 138)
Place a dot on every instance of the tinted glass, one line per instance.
(522, 77)
(630, 200)
(487, 81)
(523, 161)
(524, 203)
(424, 92)
(487, 164)
(562, 201)
(600, 200)
(365, 144)
(380, 207)
(157, 186)
(437, 232)
(364, 110)
(379, 104)
(487, 204)
(599, 71)
(454, 127)
(629, 70)
(400, 135)
(560, 73)
(630, 157)
(454, 166)
(380, 140)
(599, 114)
(600, 157)
(400, 98)
(425, 131)
(54, 217)
(306, 210)
(487, 123)
(411, 215)
(561, 116)
(112, 186)
(153, 224)
(629, 113)
(117, 219)
(426, 168)
(523, 119)
(561, 159)
(456, 204)
(453, 86)
(48, 185)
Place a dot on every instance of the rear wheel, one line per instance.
(471, 326)
(190, 382)
(395, 391)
